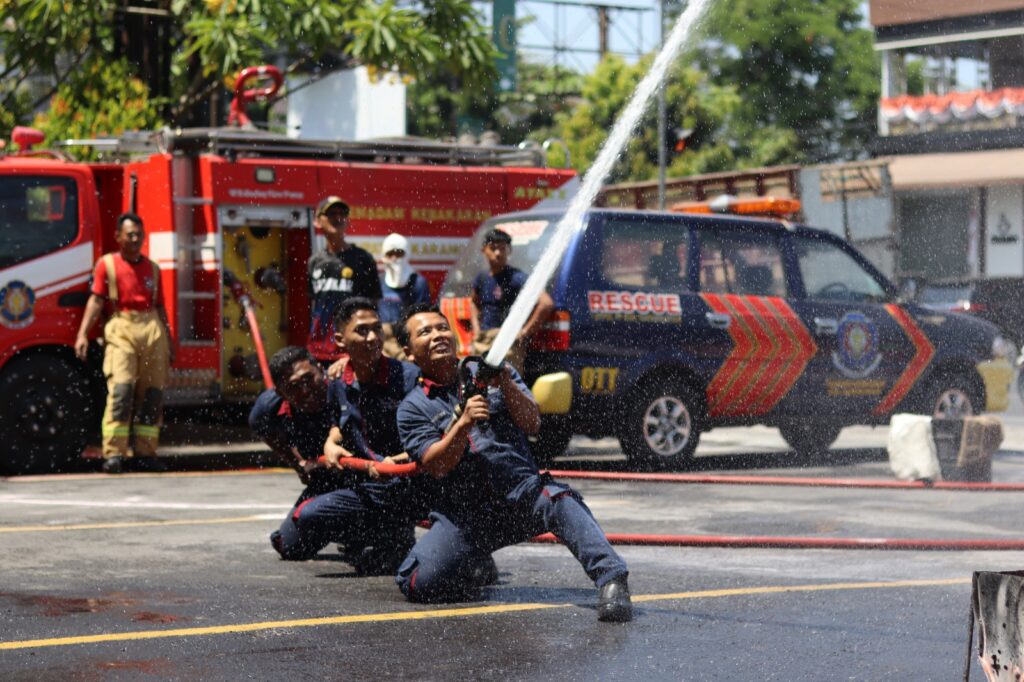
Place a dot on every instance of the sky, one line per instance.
(633, 31)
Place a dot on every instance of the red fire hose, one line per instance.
(711, 479)
(760, 541)
(790, 542)
(244, 299)
(236, 112)
(362, 465)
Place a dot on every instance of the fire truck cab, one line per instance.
(218, 205)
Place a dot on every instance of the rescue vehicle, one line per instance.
(670, 324)
(218, 205)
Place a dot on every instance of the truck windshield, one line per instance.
(38, 214)
(530, 236)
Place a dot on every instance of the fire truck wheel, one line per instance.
(552, 441)
(46, 410)
(810, 441)
(662, 425)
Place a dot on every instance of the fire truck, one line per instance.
(220, 206)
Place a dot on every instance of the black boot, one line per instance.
(613, 602)
(149, 465)
(117, 464)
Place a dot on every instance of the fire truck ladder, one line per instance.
(233, 143)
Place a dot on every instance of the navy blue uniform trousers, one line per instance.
(358, 516)
(437, 567)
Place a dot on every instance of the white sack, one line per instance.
(911, 448)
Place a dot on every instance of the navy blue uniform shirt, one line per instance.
(497, 461)
(495, 295)
(272, 415)
(370, 421)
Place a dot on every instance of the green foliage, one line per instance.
(206, 42)
(102, 98)
(445, 106)
(803, 65)
(720, 139)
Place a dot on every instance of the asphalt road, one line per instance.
(170, 576)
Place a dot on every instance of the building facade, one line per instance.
(951, 127)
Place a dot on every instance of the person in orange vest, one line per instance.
(138, 349)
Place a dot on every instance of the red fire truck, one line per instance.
(218, 204)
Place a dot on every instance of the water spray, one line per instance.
(572, 221)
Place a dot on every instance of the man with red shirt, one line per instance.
(137, 352)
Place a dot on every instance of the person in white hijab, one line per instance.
(401, 286)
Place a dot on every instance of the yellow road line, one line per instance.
(455, 613)
(820, 587)
(131, 524)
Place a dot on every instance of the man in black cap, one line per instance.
(338, 272)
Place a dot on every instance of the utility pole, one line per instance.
(661, 115)
(603, 24)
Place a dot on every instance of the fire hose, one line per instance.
(471, 385)
(244, 299)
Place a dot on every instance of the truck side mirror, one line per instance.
(908, 290)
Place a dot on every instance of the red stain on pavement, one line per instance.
(152, 666)
(151, 617)
(62, 606)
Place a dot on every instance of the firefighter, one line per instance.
(492, 494)
(294, 419)
(494, 292)
(138, 349)
(401, 287)
(373, 520)
(339, 271)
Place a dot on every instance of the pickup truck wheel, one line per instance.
(662, 425)
(46, 412)
(810, 441)
(552, 441)
(952, 397)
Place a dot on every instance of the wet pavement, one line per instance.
(171, 576)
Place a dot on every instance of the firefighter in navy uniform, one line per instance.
(494, 292)
(373, 520)
(338, 272)
(492, 494)
(294, 419)
(138, 350)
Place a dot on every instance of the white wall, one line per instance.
(346, 105)
(1004, 225)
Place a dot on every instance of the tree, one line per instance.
(720, 138)
(186, 51)
(803, 65)
(439, 107)
(101, 98)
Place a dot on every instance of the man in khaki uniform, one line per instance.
(137, 353)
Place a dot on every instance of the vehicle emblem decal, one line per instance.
(857, 355)
(17, 305)
(771, 348)
(923, 354)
